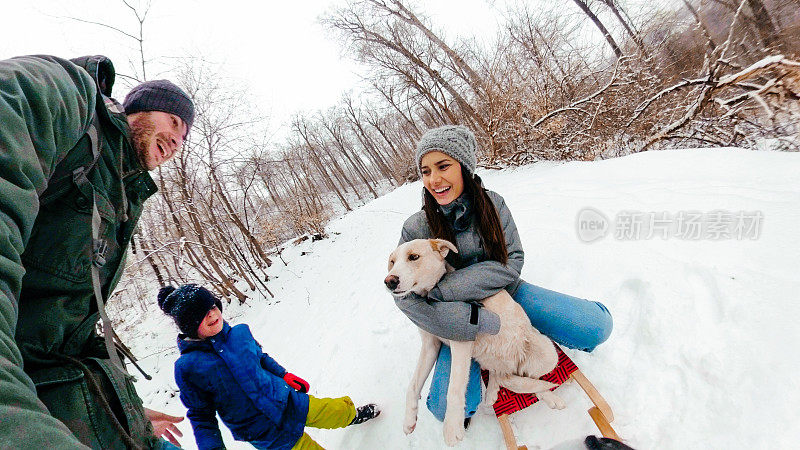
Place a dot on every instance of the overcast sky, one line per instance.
(284, 57)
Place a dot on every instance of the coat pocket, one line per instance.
(69, 397)
(130, 402)
(61, 243)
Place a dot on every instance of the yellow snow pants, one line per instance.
(325, 413)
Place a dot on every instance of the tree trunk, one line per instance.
(473, 79)
(711, 44)
(373, 37)
(210, 257)
(148, 255)
(251, 240)
(316, 160)
(764, 23)
(368, 144)
(338, 139)
(346, 177)
(612, 4)
(389, 96)
(606, 34)
(375, 122)
(300, 187)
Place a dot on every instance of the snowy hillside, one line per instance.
(705, 334)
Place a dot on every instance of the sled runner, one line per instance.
(509, 402)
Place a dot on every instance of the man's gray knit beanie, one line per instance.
(160, 95)
(455, 141)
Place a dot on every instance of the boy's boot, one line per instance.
(365, 413)
(593, 443)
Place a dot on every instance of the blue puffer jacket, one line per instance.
(228, 373)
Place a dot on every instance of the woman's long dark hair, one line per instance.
(490, 228)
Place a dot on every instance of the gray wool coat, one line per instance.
(451, 311)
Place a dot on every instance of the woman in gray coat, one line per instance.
(458, 208)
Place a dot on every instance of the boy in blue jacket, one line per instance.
(223, 370)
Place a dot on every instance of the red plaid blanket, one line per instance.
(509, 402)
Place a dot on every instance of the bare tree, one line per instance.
(617, 10)
(300, 126)
(141, 16)
(383, 43)
(764, 23)
(584, 6)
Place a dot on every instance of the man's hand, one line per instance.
(164, 425)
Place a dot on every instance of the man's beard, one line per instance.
(143, 131)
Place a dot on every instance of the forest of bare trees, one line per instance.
(690, 73)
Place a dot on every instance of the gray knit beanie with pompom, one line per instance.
(455, 141)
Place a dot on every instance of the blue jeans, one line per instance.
(570, 321)
(163, 444)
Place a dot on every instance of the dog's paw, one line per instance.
(551, 399)
(488, 400)
(453, 431)
(485, 407)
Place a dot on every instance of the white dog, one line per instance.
(515, 357)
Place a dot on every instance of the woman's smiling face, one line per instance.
(441, 176)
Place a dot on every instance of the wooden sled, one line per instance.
(509, 402)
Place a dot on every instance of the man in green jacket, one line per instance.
(73, 180)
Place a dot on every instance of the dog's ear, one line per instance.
(442, 246)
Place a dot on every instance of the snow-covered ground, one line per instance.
(703, 349)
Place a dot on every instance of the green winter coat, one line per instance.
(47, 307)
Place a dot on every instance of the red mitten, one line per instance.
(296, 382)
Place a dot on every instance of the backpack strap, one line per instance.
(99, 246)
(101, 70)
(60, 185)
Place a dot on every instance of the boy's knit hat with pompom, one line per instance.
(187, 305)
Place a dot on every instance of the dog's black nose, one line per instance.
(391, 282)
